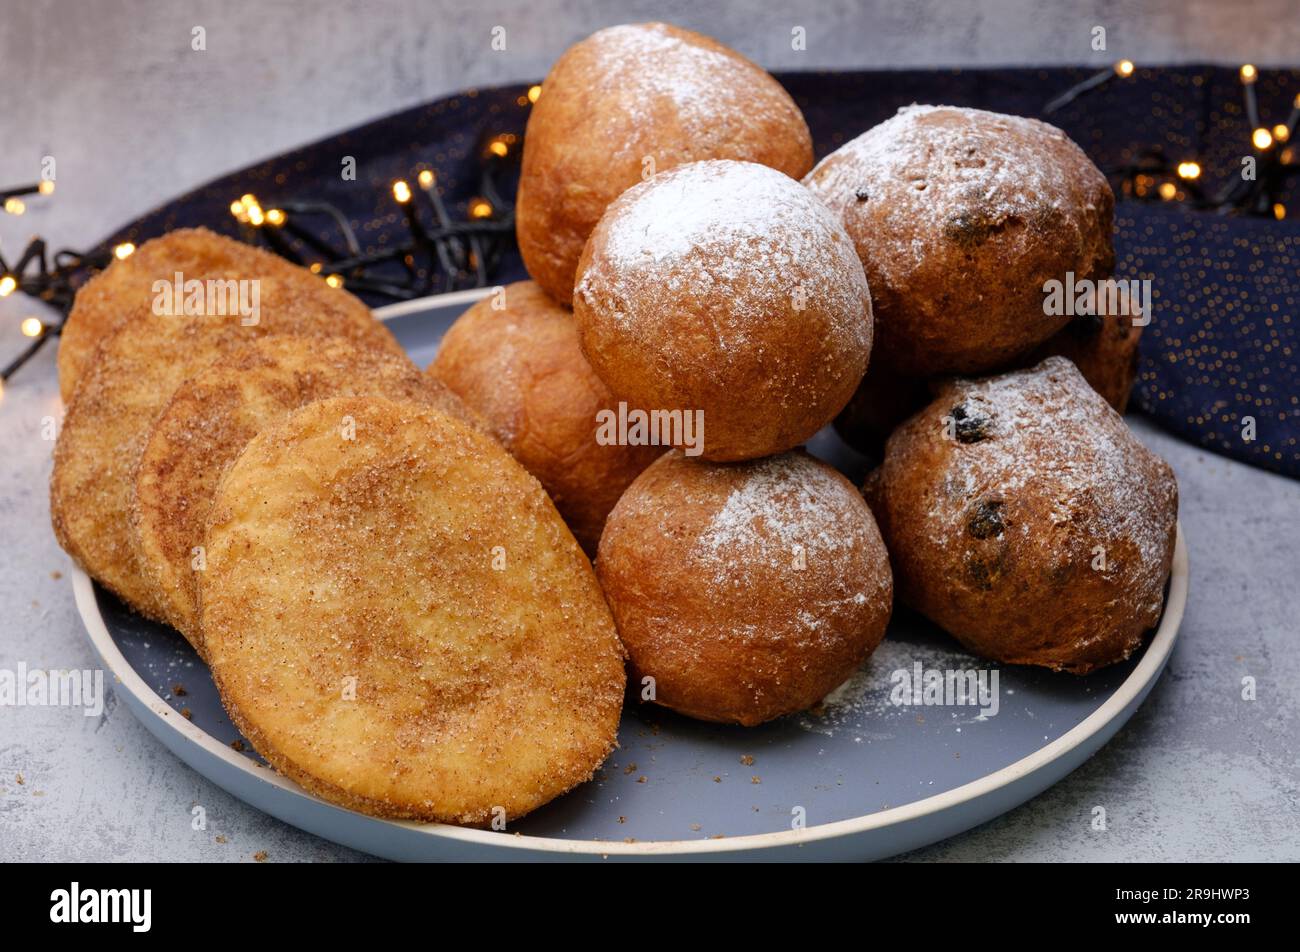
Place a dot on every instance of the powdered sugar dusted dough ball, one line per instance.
(625, 103)
(726, 287)
(1023, 517)
(748, 590)
(960, 216)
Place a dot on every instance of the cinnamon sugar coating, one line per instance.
(128, 382)
(124, 290)
(213, 416)
(397, 618)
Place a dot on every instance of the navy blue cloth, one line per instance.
(1221, 350)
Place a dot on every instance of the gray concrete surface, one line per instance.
(134, 116)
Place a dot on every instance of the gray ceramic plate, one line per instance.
(861, 778)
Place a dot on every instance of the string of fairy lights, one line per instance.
(1153, 176)
(50, 279)
(441, 254)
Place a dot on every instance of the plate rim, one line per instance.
(450, 299)
(1141, 678)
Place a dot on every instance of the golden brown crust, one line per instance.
(211, 418)
(521, 368)
(125, 289)
(1105, 349)
(372, 563)
(726, 288)
(631, 94)
(132, 377)
(747, 591)
(960, 216)
(1024, 518)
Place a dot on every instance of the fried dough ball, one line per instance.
(746, 590)
(960, 216)
(1024, 518)
(397, 618)
(211, 418)
(131, 379)
(125, 289)
(625, 103)
(521, 368)
(727, 288)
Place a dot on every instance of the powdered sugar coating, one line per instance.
(959, 215)
(625, 103)
(1090, 459)
(738, 225)
(979, 156)
(786, 507)
(746, 590)
(1041, 531)
(670, 69)
(722, 278)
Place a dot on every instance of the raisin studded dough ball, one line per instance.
(747, 591)
(629, 101)
(960, 216)
(726, 287)
(521, 368)
(1024, 518)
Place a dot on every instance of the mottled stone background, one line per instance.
(134, 116)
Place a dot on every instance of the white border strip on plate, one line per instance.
(402, 308)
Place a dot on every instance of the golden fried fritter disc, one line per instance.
(130, 380)
(210, 419)
(126, 289)
(397, 618)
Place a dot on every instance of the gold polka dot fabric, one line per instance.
(1219, 360)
